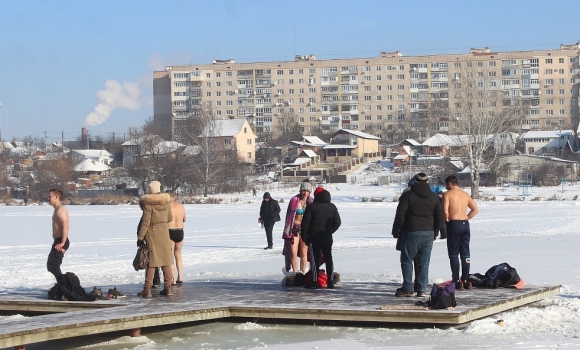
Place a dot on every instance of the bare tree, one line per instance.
(204, 132)
(148, 160)
(288, 129)
(480, 109)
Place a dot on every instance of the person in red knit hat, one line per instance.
(318, 190)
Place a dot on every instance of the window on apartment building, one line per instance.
(561, 60)
(249, 155)
(562, 112)
(379, 107)
(291, 91)
(301, 100)
(491, 63)
(562, 101)
(379, 88)
(367, 78)
(561, 81)
(549, 102)
(379, 97)
(301, 120)
(312, 71)
(229, 83)
(378, 78)
(291, 81)
(218, 103)
(208, 94)
(368, 117)
(368, 88)
(208, 84)
(400, 97)
(469, 64)
(280, 81)
(228, 74)
(367, 98)
(548, 61)
(279, 72)
(389, 87)
(389, 77)
(548, 71)
(480, 64)
(400, 87)
(549, 112)
(208, 75)
(229, 103)
(300, 91)
(560, 71)
(400, 76)
(312, 90)
(227, 141)
(301, 110)
(313, 119)
(562, 92)
(491, 74)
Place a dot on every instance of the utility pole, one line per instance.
(45, 142)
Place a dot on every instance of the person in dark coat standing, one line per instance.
(269, 215)
(320, 221)
(418, 219)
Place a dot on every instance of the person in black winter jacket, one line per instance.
(269, 215)
(320, 221)
(418, 219)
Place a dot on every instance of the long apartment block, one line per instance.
(378, 95)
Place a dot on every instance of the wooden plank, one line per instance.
(211, 301)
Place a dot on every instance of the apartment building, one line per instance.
(385, 96)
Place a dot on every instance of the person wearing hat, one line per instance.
(269, 215)
(321, 220)
(294, 246)
(418, 219)
(154, 231)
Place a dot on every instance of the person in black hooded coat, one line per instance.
(269, 215)
(320, 221)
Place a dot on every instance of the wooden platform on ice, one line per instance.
(222, 300)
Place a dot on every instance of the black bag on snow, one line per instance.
(69, 288)
(442, 297)
(501, 275)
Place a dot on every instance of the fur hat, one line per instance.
(318, 190)
(154, 187)
(421, 177)
(306, 186)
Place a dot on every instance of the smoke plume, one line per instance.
(115, 95)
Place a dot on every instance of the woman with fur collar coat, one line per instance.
(154, 230)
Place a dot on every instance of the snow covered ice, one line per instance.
(222, 242)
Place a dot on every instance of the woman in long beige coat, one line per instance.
(154, 230)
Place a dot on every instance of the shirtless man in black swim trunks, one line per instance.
(176, 234)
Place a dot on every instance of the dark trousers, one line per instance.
(269, 227)
(55, 258)
(458, 235)
(327, 254)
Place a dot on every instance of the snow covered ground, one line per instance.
(223, 242)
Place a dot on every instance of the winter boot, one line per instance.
(166, 291)
(145, 293)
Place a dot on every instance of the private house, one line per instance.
(98, 155)
(556, 142)
(312, 143)
(234, 134)
(347, 144)
(148, 146)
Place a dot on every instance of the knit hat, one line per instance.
(318, 190)
(306, 186)
(154, 187)
(267, 195)
(421, 177)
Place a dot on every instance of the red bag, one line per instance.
(322, 279)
